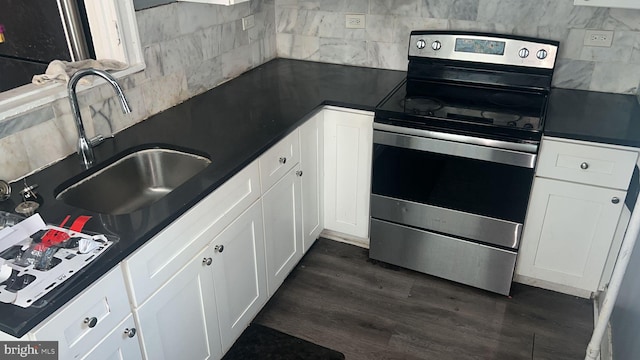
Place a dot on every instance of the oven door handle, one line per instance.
(429, 141)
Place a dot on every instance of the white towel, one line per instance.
(61, 71)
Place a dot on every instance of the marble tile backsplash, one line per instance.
(189, 48)
(315, 30)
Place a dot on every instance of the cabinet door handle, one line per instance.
(299, 172)
(207, 261)
(615, 200)
(584, 166)
(130, 332)
(91, 322)
(283, 160)
(218, 248)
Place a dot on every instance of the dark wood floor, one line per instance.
(338, 298)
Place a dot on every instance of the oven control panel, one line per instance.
(491, 49)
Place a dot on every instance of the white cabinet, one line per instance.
(160, 258)
(625, 4)
(202, 310)
(88, 320)
(180, 320)
(568, 232)
(348, 136)
(174, 289)
(574, 215)
(311, 165)
(239, 274)
(282, 209)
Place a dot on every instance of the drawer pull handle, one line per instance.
(584, 166)
(91, 322)
(299, 172)
(207, 261)
(283, 160)
(615, 200)
(130, 332)
(218, 248)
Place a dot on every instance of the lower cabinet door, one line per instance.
(180, 320)
(311, 163)
(121, 344)
(239, 274)
(348, 139)
(283, 228)
(568, 233)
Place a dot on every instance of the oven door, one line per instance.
(459, 186)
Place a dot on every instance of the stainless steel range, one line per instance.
(455, 146)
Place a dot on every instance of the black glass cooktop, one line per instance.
(501, 112)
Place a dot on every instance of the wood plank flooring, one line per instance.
(337, 297)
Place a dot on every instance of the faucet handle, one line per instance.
(97, 140)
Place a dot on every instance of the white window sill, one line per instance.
(28, 97)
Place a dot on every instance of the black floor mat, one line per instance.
(261, 342)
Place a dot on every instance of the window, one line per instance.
(115, 36)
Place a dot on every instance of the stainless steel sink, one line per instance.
(133, 181)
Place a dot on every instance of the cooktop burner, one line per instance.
(475, 107)
(420, 105)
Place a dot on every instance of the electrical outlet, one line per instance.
(248, 22)
(602, 38)
(354, 21)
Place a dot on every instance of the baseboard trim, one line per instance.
(347, 239)
(552, 286)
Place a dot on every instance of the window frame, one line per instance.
(114, 31)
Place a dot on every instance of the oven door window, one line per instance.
(468, 185)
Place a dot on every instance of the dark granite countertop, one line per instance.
(593, 116)
(233, 123)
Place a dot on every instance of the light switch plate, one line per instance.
(248, 22)
(354, 21)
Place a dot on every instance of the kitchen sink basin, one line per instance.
(133, 180)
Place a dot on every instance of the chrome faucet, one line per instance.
(85, 146)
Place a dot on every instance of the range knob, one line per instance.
(541, 54)
(421, 44)
(436, 45)
(523, 53)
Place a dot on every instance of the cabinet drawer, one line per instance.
(88, 318)
(278, 160)
(588, 164)
(157, 261)
(121, 343)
